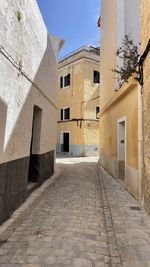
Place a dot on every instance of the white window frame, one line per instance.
(63, 76)
(61, 139)
(123, 119)
(63, 114)
(61, 135)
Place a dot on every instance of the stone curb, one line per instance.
(17, 217)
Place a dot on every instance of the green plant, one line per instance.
(18, 13)
(128, 57)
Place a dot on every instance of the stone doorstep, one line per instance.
(9, 226)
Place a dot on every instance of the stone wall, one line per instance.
(145, 35)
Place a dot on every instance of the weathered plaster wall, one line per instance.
(27, 41)
(132, 19)
(127, 22)
(108, 50)
(83, 140)
(91, 91)
(145, 35)
(26, 44)
(124, 103)
(71, 96)
(125, 107)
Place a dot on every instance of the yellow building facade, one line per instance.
(145, 83)
(78, 103)
(119, 133)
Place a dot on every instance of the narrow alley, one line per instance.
(74, 133)
(82, 220)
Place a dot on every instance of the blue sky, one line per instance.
(75, 21)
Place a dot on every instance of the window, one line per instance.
(62, 114)
(96, 77)
(65, 114)
(61, 82)
(97, 112)
(65, 81)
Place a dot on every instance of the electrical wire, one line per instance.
(90, 100)
(14, 63)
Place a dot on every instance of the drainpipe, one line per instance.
(140, 144)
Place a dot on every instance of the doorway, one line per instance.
(121, 148)
(33, 173)
(65, 140)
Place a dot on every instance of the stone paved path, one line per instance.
(84, 220)
(131, 225)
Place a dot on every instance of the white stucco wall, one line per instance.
(127, 21)
(120, 21)
(29, 45)
(132, 19)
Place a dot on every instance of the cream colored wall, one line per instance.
(145, 35)
(125, 107)
(81, 89)
(116, 105)
(72, 96)
(91, 91)
(108, 50)
(116, 21)
(108, 84)
(76, 133)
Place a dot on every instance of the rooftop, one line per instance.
(89, 48)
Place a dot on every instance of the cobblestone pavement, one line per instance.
(85, 219)
(131, 224)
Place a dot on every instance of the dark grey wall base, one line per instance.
(13, 186)
(14, 177)
(41, 167)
